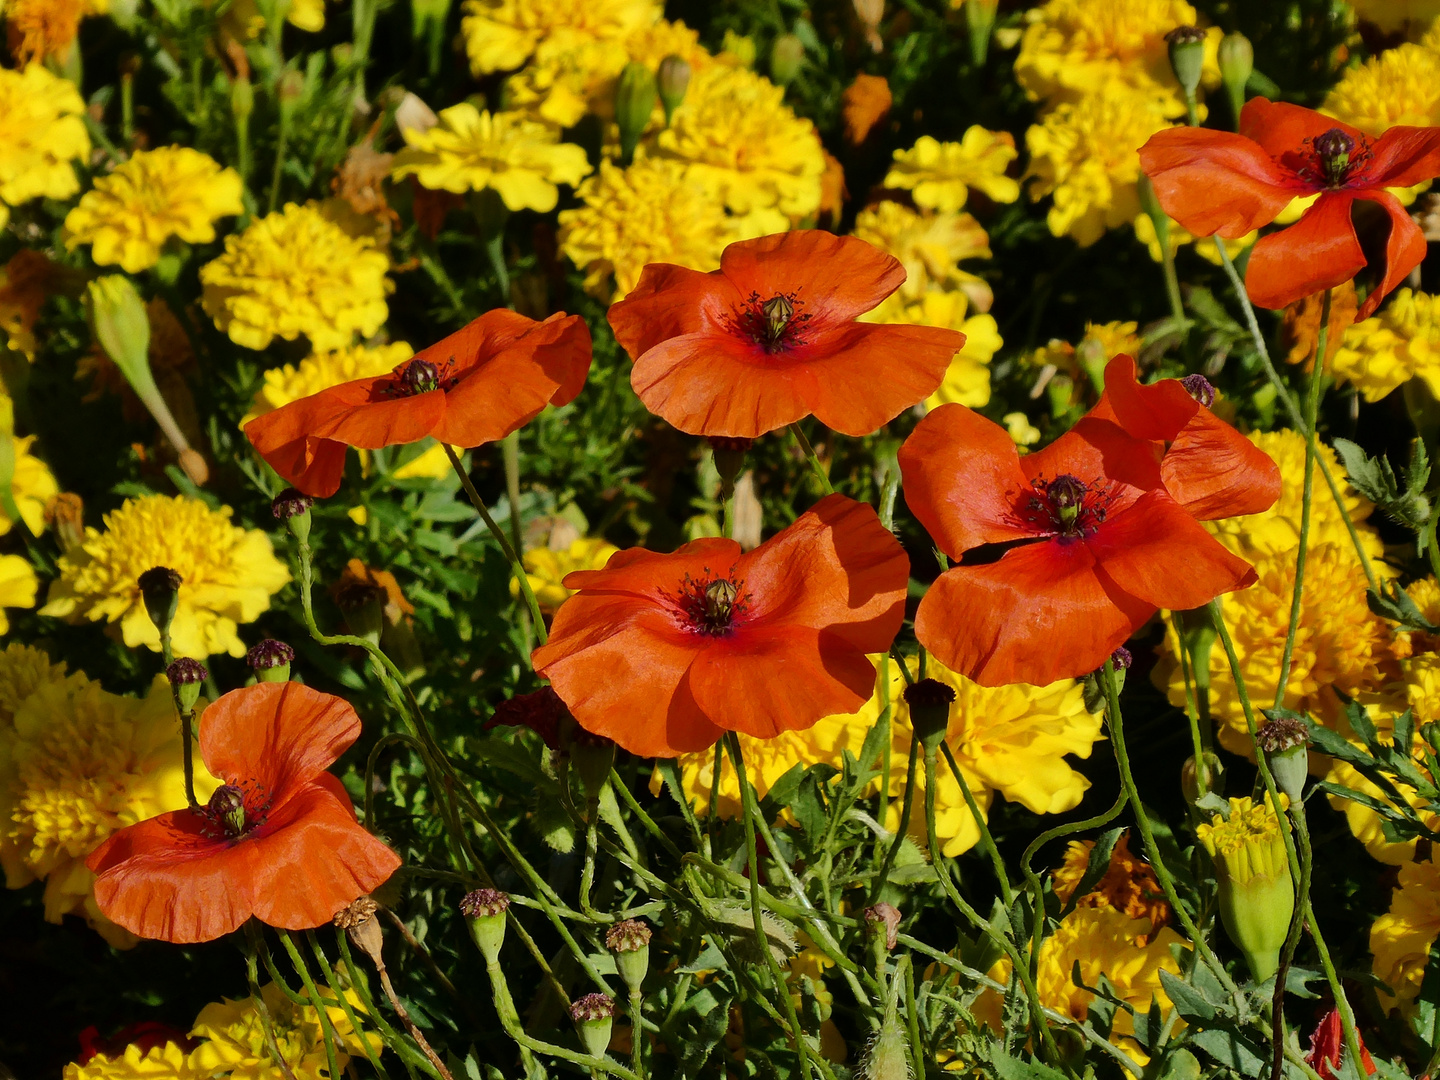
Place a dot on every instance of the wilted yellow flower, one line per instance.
(26, 282)
(322, 370)
(76, 764)
(1400, 940)
(967, 379)
(1102, 941)
(1399, 343)
(941, 174)
(32, 486)
(171, 191)
(42, 29)
(296, 272)
(41, 133)
(228, 574)
(1086, 154)
(235, 1043)
(469, 150)
(501, 34)
(1128, 885)
(546, 568)
(1075, 48)
(931, 247)
(18, 586)
(744, 147)
(166, 1062)
(649, 212)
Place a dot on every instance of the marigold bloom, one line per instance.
(1365, 822)
(1400, 86)
(234, 1042)
(931, 247)
(1401, 939)
(547, 568)
(771, 337)
(501, 34)
(1101, 520)
(166, 1060)
(41, 29)
(865, 102)
(967, 379)
(1397, 344)
(296, 272)
(41, 133)
(32, 486)
(475, 386)
(469, 150)
(229, 574)
(171, 191)
(662, 653)
(1128, 885)
(278, 840)
(1227, 183)
(941, 174)
(18, 586)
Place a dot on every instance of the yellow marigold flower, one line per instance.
(1102, 941)
(1128, 885)
(23, 670)
(76, 764)
(1399, 343)
(171, 191)
(1084, 362)
(32, 486)
(1022, 433)
(41, 133)
(545, 568)
(18, 586)
(167, 1062)
(1205, 246)
(228, 573)
(1075, 48)
(745, 147)
(1008, 739)
(941, 174)
(1086, 154)
(42, 29)
(306, 14)
(502, 34)
(1400, 940)
(967, 380)
(235, 1043)
(647, 213)
(1399, 86)
(1364, 821)
(322, 370)
(470, 150)
(1411, 16)
(930, 246)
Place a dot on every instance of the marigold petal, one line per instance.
(866, 375)
(837, 278)
(1318, 252)
(1216, 181)
(1404, 157)
(1404, 250)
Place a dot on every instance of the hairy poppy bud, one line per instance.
(594, 1015)
(270, 660)
(629, 940)
(1237, 61)
(634, 102)
(729, 461)
(1094, 686)
(929, 702)
(185, 676)
(293, 508)
(671, 82)
(886, 1057)
(484, 910)
(1257, 895)
(883, 918)
(1187, 56)
(160, 589)
(1284, 740)
(787, 57)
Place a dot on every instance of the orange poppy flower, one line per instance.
(475, 386)
(1218, 181)
(771, 337)
(663, 653)
(1061, 555)
(278, 840)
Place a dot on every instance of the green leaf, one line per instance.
(1189, 1002)
(1095, 868)
(1232, 1049)
(1394, 603)
(1180, 1064)
(1372, 477)
(1009, 1067)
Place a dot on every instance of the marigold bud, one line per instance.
(1285, 739)
(671, 82)
(1237, 61)
(634, 102)
(484, 910)
(270, 660)
(787, 58)
(929, 701)
(160, 589)
(1187, 56)
(1257, 895)
(594, 1015)
(185, 676)
(980, 20)
(293, 508)
(629, 940)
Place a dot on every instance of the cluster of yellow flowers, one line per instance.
(43, 133)
(1394, 87)
(1399, 343)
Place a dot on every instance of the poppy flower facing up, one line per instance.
(1061, 555)
(278, 840)
(1220, 182)
(663, 653)
(771, 337)
(475, 386)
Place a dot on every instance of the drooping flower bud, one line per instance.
(635, 95)
(594, 1016)
(1327, 1048)
(484, 910)
(787, 57)
(185, 676)
(1257, 895)
(883, 919)
(886, 1057)
(1284, 740)
(729, 460)
(270, 660)
(629, 940)
(1237, 61)
(929, 701)
(1190, 776)
(160, 589)
(671, 83)
(1187, 56)
(293, 508)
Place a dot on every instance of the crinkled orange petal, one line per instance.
(369, 414)
(1404, 250)
(281, 735)
(1318, 252)
(637, 572)
(315, 858)
(1098, 450)
(1281, 128)
(1158, 553)
(1404, 157)
(669, 301)
(1039, 613)
(836, 278)
(865, 375)
(1216, 181)
(962, 480)
(314, 466)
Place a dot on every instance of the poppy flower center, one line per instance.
(419, 377)
(712, 604)
(1333, 156)
(233, 812)
(1067, 506)
(774, 324)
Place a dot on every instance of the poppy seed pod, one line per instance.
(929, 701)
(270, 660)
(293, 508)
(1284, 740)
(185, 676)
(1187, 56)
(671, 82)
(484, 910)
(160, 589)
(1257, 894)
(629, 940)
(635, 96)
(594, 1016)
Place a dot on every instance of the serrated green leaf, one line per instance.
(1189, 1002)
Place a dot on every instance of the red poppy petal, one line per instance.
(1281, 128)
(1158, 553)
(1096, 450)
(835, 569)
(281, 735)
(767, 679)
(347, 414)
(1404, 250)
(314, 858)
(649, 574)
(718, 384)
(865, 375)
(477, 340)
(1318, 252)
(670, 301)
(565, 355)
(835, 278)
(962, 480)
(1039, 614)
(314, 466)
(1157, 410)
(1216, 181)
(1404, 157)
(162, 879)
